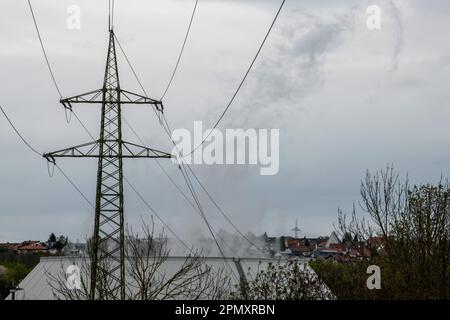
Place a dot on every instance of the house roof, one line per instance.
(302, 248)
(33, 246)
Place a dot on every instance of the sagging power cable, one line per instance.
(167, 129)
(181, 51)
(209, 194)
(50, 69)
(73, 184)
(43, 49)
(242, 81)
(198, 207)
(34, 150)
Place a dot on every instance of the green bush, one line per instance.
(17, 267)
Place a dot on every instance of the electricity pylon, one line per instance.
(296, 229)
(108, 258)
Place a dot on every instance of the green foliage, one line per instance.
(412, 226)
(17, 267)
(347, 280)
(15, 272)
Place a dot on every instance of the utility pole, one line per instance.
(108, 242)
(13, 291)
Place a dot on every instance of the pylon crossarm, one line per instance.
(134, 98)
(82, 150)
(131, 150)
(90, 150)
(95, 96)
(88, 97)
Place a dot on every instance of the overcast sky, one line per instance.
(345, 99)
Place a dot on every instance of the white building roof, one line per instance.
(36, 284)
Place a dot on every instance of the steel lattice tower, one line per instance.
(108, 242)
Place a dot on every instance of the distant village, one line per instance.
(331, 247)
(290, 247)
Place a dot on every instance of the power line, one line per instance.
(51, 70)
(189, 184)
(210, 196)
(194, 195)
(168, 130)
(202, 213)
(130, 65)
(74, 186)
(135, 74)
(173, 182)
(159, 165)
(18, 133)
(34, 150)
(221, 117)
(242, 81)
(200, 210)
(223, 212)
(138, 137)
(156, 214)
(181, 51)
(84, 127)
(110, 14)
(43, 49)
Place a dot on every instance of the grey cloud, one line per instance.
(313, 80)
(291, 67)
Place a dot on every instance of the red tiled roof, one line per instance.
(33, 246)
(338, 246)
(301, 248)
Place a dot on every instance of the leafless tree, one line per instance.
(147, 276)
